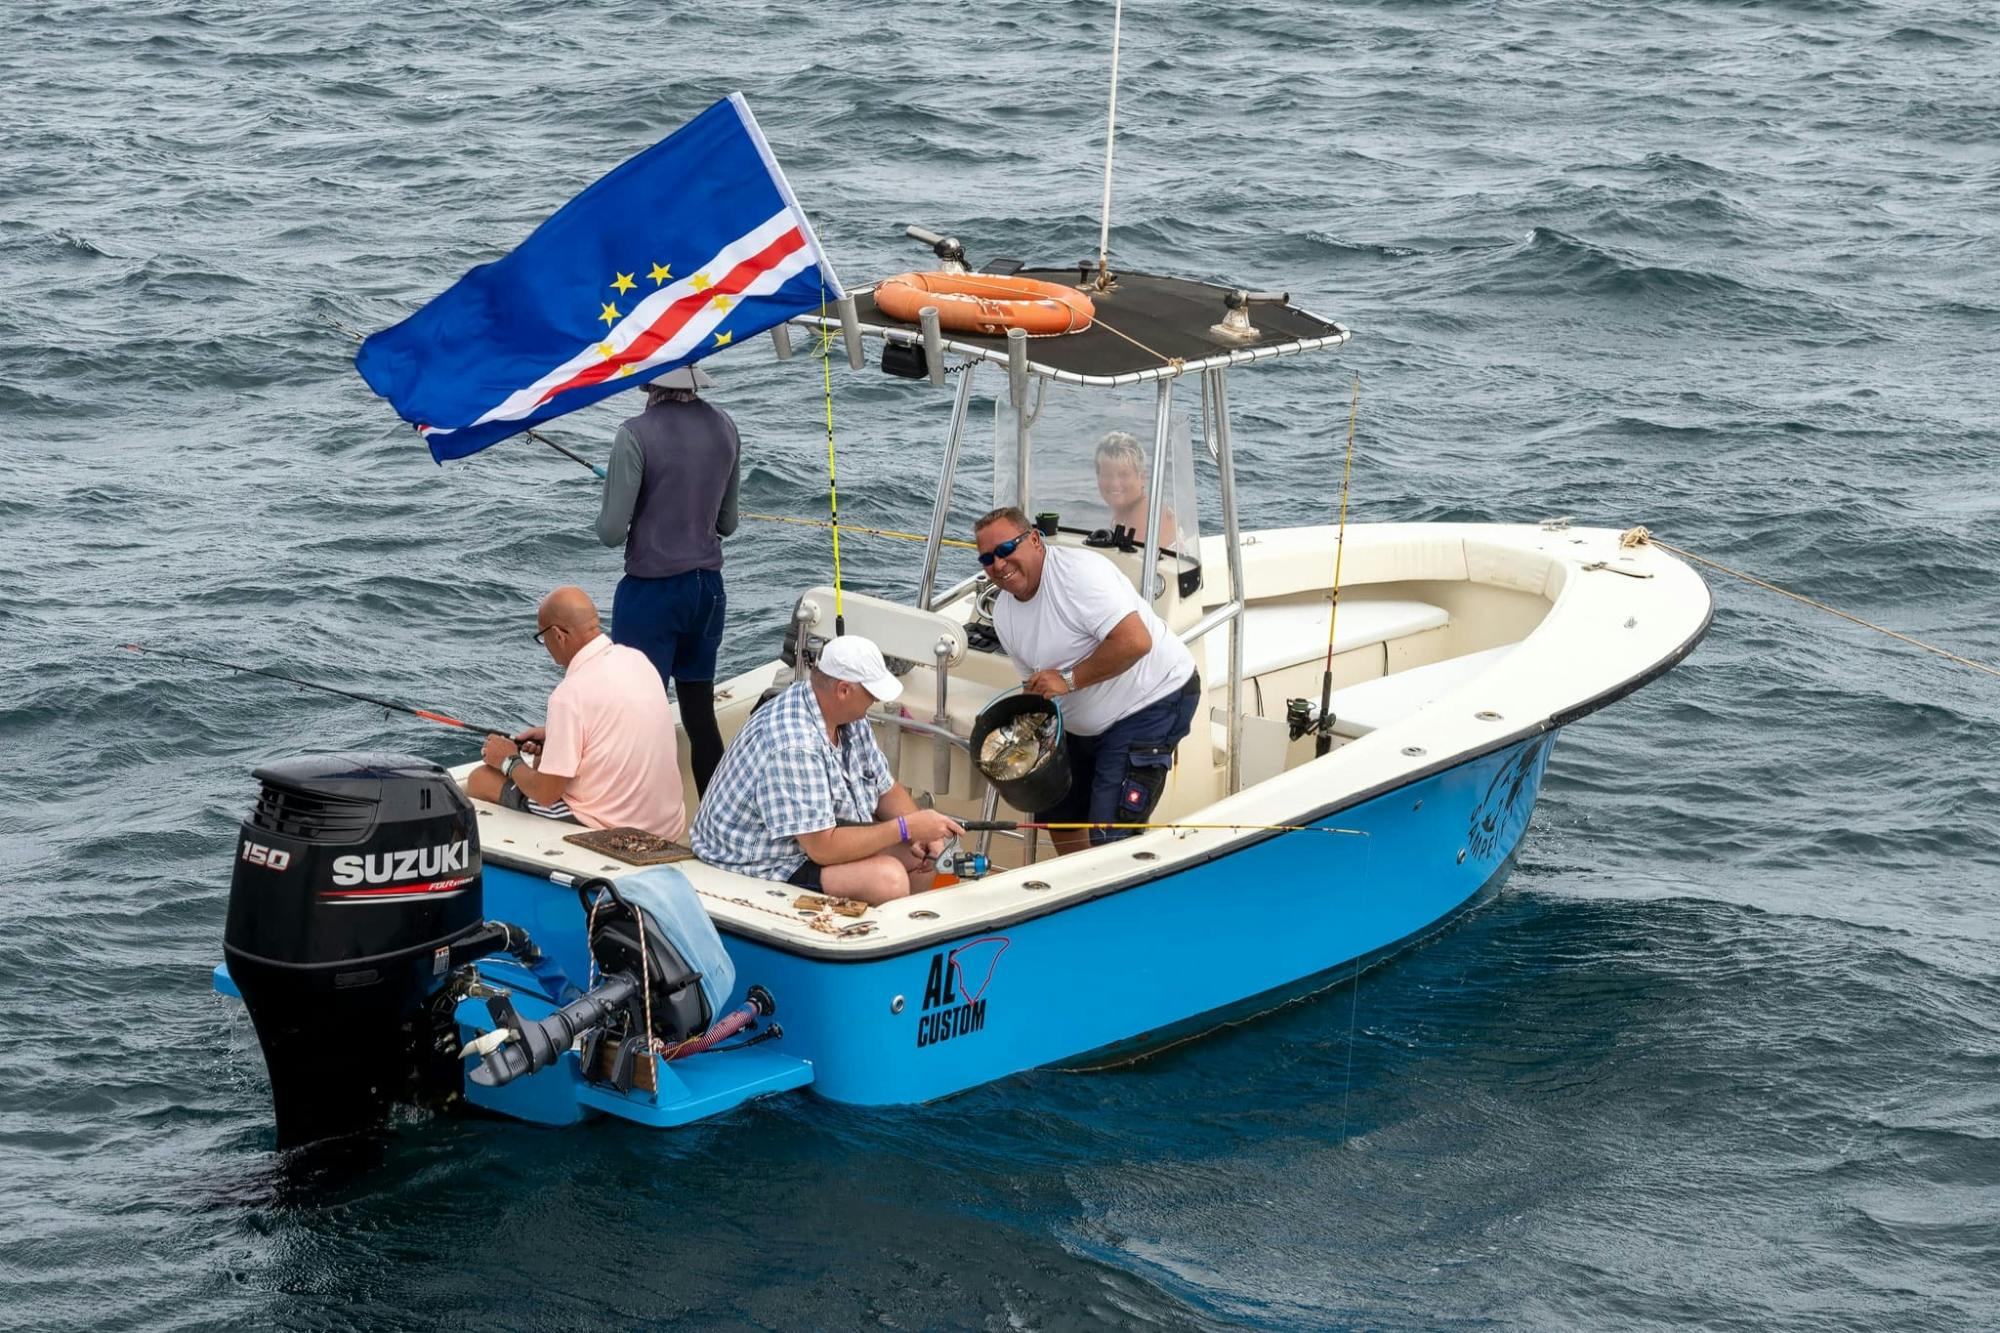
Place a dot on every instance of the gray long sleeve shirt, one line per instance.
(670, 488)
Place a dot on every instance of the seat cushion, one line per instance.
(1276, 637)
(1373, 704)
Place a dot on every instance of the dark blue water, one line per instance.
(1727, 1053)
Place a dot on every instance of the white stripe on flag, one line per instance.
(523, 402)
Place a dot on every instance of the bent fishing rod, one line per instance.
(428, 715)
(1011, 825)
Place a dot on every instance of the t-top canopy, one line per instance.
(1147, 327)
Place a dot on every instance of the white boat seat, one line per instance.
(898, 630)
(1374, 704)
(1276, 637)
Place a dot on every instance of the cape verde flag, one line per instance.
(681, 251)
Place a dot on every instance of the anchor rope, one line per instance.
(1640, 536)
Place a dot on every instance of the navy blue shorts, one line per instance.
(676, 622)
(1117, 776)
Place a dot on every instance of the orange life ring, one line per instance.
(986, 303)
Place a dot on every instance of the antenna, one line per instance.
(1110, 138)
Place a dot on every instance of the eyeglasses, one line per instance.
(1003, 550)
(542, 634)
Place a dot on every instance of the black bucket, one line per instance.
(1045, 784)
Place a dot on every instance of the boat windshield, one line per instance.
(1091, 462)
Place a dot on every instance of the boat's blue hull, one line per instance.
(1150, 962)
(1159, 958)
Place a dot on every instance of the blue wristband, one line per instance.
(903, 827)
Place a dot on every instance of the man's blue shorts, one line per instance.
(676, 621)
(1116, 776)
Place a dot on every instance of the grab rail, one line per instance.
(1220, 616)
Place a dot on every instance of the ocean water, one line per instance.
(1726, 1053)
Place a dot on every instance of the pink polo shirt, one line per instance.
(611, 735)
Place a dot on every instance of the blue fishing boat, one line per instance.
(398, 941)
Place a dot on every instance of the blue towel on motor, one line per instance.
(672, 906)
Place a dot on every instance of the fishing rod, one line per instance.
(597, 469)
(1323, 742)
(1011, 825)
(426, 714)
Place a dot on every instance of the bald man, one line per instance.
(606, 757)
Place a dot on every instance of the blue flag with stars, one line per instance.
(688, 247)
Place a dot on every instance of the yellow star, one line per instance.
(606, 350)
(722, 340)
(624, 283)
(660, 274)
(721, 303)
(701, 282)
(610, 315)
(625, 370)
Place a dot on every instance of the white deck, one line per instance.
(1599, 632)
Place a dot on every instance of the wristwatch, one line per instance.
(507, 765)
(1068, 680)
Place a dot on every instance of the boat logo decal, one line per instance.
(955, 990)
(271, 858)
(412, 863)
(1502, 813)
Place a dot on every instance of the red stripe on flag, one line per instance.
(676, 316)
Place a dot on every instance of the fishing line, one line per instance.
(1011, 825)
(1639, 536)
(1324, 741)
(837, 526)
(428, 715)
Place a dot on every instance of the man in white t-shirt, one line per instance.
(1079, 632)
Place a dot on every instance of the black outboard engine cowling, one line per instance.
(354, 877)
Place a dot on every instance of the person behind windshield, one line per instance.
(1121, 481)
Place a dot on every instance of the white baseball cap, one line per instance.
(686, 377)
(853, 658)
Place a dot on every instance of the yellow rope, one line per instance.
(832, 489)
(1641, 537)
(856, 527)
(1254, 828)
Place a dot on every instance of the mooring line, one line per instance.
(1639, 536)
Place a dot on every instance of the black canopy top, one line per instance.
(1146, 325)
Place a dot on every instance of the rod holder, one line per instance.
(941, 749)
(933, 344)
(781, 341)
(1017, 386)
(1017, 369)
(850, 328)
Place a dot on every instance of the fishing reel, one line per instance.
(965, 865)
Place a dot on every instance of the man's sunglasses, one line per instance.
(542, 634)
(1003, 550)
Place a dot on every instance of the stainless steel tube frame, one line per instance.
(941, 511)
(1232, 545)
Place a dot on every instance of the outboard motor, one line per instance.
(356, 893)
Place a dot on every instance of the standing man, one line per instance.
(606, 757)
(670, 499)
(1078, 631)
(806, 797)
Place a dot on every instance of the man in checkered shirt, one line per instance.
(805, 795)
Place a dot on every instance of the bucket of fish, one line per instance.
(1017, 741)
